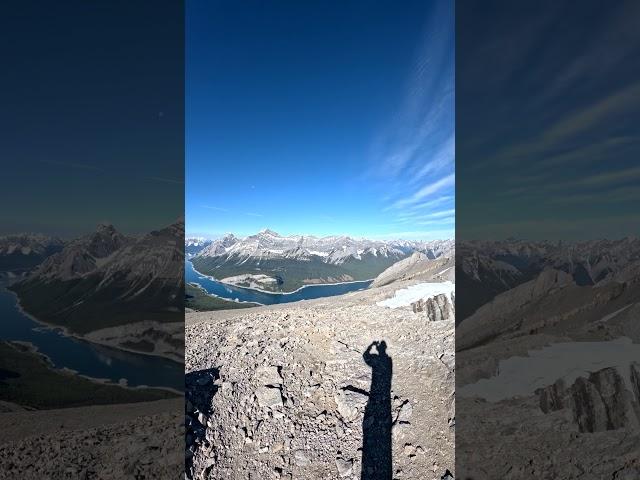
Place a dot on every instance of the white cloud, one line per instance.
(430, 234)
(442, 213)
(219, 209)
(426, 191)
(442, 158)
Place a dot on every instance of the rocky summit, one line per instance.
(551, 362)
(341, 387)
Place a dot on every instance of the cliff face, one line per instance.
(602, 401)
(438, 308)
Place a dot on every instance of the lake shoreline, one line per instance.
(67, 333)
(126, 376)
(197, 285)
(273, 293)
(55, 370)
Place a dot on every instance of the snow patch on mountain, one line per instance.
(336, 250)
(421, 291)
(195, 241)
(28, 243)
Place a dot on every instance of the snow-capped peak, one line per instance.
(333, 249)
(269, 232)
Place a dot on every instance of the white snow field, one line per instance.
(406, 296)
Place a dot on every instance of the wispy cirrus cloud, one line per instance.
(593, 185)
(218, 209)
(568, 130)
(424, 234)
(442, 159)
(414, 155)
(555, 141)
(443, 221)
(426, 191)
(410, 215)
(88, 167)
(427, 221)
(442, 213)
(176, 181)
(425, 205)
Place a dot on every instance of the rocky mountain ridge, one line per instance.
(105, 281)
(83, 255)
(294, 261)
(194, 245)
(486, 268)
(418, 265)
(26, 250)
(332, 249)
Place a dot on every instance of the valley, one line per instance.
(29, 382)
(277, 263)
(75, 289)
(91, 362)
(22, 252)
(224, 295)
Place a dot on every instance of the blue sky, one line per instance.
(548, 145)
(92, 120)
(320, 118)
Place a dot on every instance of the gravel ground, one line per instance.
(285, 391)
(135, 441)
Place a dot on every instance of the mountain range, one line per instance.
(485, 269)
(284, 263)
(25, 251)
(107, 280)
(193, 245)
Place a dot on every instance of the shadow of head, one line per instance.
(379, 361)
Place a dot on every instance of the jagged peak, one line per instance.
(267, 231)
(105, 227)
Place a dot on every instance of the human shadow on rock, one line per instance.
(377, 422)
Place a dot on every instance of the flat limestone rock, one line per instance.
(269, 397)
(267, 375)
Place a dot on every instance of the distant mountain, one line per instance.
(25, 251)
(486, 269)
(418, 267)
(107, 279)
(297, 260)
(557, 342)
(194, 245)
(83, 255)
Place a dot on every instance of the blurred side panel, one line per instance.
(547, 340)
(92, 239)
